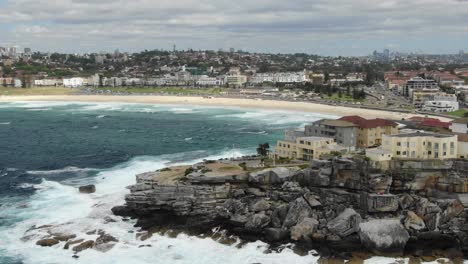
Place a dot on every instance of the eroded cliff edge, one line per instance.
(337, 206)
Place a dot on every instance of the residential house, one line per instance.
(370, 131)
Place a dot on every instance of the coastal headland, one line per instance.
(220, 102)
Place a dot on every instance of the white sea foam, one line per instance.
(76, 213)
(5, 123)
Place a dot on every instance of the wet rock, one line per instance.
(257, 221)
(87, 189)
(73, 242)
(276, 234)
(345, 223)
(122, 211)
(47, 242)
(105, 238)
(104, 247)
(64, 237)
(83, 246)
(279, 214)
(383, 235)
(304, 228)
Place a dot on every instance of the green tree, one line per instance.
(263, 149)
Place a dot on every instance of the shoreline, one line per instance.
(221, 102)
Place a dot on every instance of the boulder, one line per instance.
(276, 234)
(298, 210)
(83, 246)
(345, 223)
(381, 203)
(279, 214)
(87, 189)
(406, 201)
(122, 211)
(260, 205)
(47, 242)
(105, 238)
(414, 222)
(304, 229)
(272, 176)
(383, 235)
(257, 221)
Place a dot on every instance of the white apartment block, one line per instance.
(73, 82)
(440, 106)
(280, 77)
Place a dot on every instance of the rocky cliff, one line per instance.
(339, 205)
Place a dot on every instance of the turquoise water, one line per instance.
(49, 148)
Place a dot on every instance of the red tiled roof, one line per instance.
(435, 123)
(368, 123)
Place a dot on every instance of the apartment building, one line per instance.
(305, 148)
(460, 126)
(343, 132)
(440, 106)
(369, 132)
(421, 145)
(419, 84)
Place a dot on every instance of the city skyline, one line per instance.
(321, 27)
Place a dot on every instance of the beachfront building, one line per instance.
(462, 146)
(343, 132)
(279, 77)
(205, 80)
(421, 145)
(48, 82)
(236, 80)
(73, 82)
(297, 146)
(369, 132)
(440, 106)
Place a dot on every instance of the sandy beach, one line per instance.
(219, 102)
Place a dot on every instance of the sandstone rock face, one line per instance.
(338, 203)
(87, 189)
(386, 235)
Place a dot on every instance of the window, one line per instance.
(398, 153)
(436, 145)
(398, 144)
(445, 154)
(429, 153)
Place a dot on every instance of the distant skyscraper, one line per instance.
(231, 50)
(27, 50)
(461, 53)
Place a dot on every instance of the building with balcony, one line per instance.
(421, 145)
(369, 132)
(343, 132)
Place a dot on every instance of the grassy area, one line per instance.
(459, 113)
(168, 90)
(35, 91)
(344, 98)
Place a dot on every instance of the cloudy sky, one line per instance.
(328, 27)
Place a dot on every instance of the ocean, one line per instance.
(48, 149)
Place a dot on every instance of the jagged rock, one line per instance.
(105, 238)
(260, 205)
(87, 189)
(83, 246)
(430, 212)
(47, 242)
(298, 210)
(291, 187)
(304, 228)
(406, 201)
(276, 234)
(63, 237)
(312, 200)
(122, 211)
(383, 235)
(414, 222)
(69, 243)
(346, 223)
(257, 222)
(279, 214)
